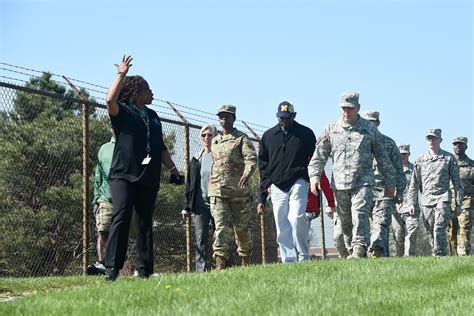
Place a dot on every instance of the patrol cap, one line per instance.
(436, 132)
(227, 108)
(372, 115)
(404, 149)
(285, 109)
(460, 139)
(349, 99)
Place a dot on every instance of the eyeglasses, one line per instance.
(208, 135)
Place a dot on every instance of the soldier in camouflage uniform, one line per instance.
(352, 142)
(235, 161)
(405, 225)
(432, 173)
(384, 207)
(459, 228)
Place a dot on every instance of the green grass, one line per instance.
(395, 286)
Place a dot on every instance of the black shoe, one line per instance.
(91, 270)
(112, 274)
(141, 275)
(96, 269)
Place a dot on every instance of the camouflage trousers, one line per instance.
(338, 237)
(459, 233)
(436, 220)
(381, 219)
(353, 207)
(231, 220)
(405, 232)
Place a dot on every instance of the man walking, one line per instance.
(102, 205)
(432, 173)
(352, 142)
(383, 206)
(283, 159)
(459, 229)
(405, 225)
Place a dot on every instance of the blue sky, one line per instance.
(411, 60)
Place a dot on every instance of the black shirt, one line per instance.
(130, 149)
(283, 157)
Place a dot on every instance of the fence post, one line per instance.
(85, 177)
(321, 218)
(261, 216)
(186, 163)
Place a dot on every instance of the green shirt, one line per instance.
(101, 182)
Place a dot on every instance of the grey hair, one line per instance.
(209, 126)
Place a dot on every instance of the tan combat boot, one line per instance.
(220, 263)
(358, 252)
(245, 261)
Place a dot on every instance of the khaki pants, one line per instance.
(103, 217)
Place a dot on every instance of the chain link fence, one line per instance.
(41, 180)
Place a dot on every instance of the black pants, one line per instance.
(202, 222)
(126, 196)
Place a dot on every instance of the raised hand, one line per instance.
(125, 65)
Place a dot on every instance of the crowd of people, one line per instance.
(373, 188)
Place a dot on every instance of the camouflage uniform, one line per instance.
(233, 155)
(405, 226)
(384, 207)
(432, 175)
(459, 228)
(352, 149)
(338, 237)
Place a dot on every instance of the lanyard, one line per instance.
(146, 120)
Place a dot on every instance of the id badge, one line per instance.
(146, 160)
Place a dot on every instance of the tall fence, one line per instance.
(46, 181)
(51, 128)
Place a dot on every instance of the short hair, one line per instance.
(130, 88)
(209, 126)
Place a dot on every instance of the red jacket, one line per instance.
(313, 202)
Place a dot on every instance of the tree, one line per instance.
(40, 179)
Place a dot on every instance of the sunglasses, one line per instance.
(208, 135)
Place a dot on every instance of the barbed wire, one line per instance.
(204, 112)
(14, 79)
(193, 114)
(54, 74)
(56, 81)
